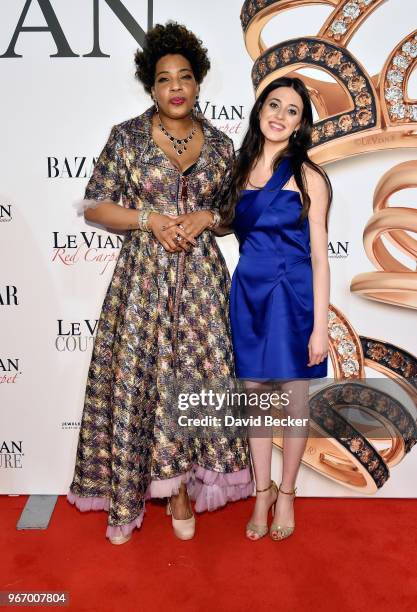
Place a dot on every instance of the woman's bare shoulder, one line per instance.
(316, 182)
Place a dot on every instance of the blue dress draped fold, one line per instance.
(271, 300)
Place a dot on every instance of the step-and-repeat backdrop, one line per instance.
(67, 76)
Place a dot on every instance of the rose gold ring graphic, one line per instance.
(357, 113)
(345, 347)
(340, 446)
(394, 362)
(386, 423)
(336, 449)
(349, 422)
(393, 283)
(402, 176)
(341, 24)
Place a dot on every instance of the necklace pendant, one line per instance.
(179, 144)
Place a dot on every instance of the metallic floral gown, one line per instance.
(164, 319)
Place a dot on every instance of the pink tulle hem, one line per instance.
(124, 530)
(211, 490)
(208, 489)
(169, 486)
(84, 504)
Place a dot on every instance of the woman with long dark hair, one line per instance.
(278, 206)
(164, 321)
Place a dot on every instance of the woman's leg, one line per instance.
(261, 452)
(180, 504)
(294, 443)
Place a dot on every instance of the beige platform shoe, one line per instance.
(184, 529)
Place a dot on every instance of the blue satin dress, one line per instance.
(271, 300)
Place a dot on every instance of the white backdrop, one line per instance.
(57, 111)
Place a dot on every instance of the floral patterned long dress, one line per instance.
(165, 315)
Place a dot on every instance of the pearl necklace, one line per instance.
(179, 144)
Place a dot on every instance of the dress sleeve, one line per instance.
(107, 179)
(220, 199)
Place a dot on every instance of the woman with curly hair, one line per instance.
(164, 321)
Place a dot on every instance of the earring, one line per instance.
(294, 134)
(156, 104)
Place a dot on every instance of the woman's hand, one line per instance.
(318, 347)
(173, 239)
(193, 223)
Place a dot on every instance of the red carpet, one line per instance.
(345, 555)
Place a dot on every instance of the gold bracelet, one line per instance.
(144, 220)
(140, 220)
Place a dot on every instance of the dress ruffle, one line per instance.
(211, 490)
(82, 205)
(208, 489)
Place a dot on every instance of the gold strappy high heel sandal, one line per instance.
(282, 531)
(262, 530)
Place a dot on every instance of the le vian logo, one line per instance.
(228, 119)
(91, 247)
(5, 213)
(338, 250)
(56, 29)
(75, 335)
(9, 370)
(11, 453)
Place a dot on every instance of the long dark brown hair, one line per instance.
(297, 149)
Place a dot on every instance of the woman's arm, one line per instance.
(111, 215)
(317, 189)
(105, 187)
